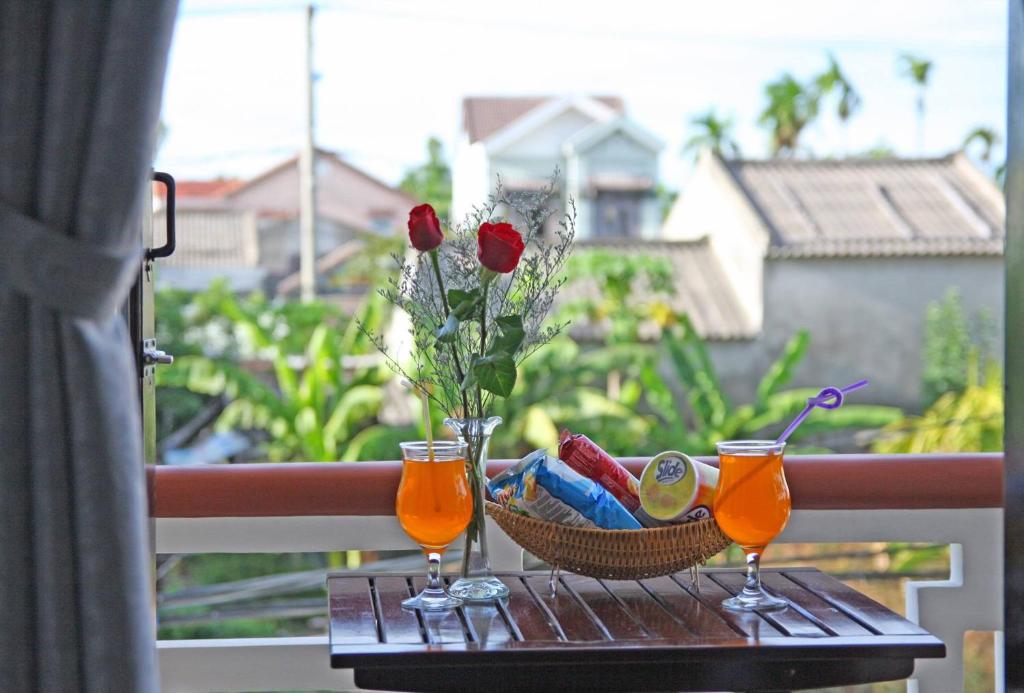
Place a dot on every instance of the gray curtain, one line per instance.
(80, 88)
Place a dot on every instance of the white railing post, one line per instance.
(970, 599)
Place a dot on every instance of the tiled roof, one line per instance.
(345, 194)
(869, 207)
(703, 290)
(482, 116)
(199, 188)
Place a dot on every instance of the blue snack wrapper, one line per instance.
(517, 490)
(587, 497)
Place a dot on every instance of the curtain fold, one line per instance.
(80, 88)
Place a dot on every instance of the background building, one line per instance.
(853, 250)
(247, 231)
(608, 162)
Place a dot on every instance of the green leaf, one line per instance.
(378, 442)
(781, 372)
(538, 428)
(511, 337)
(355, 405)
(446, 333)
(463, 304)
(495, 373)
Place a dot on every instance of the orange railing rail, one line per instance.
(817, 482)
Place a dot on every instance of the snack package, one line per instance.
(584, 495)
(588, 459)
(648, 521)
(676, 488)
(516, 488)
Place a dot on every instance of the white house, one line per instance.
(608, 162)
(853, 250)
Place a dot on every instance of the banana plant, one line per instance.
(967, 421)
(562, 386)
(310, 405)
(697, 413)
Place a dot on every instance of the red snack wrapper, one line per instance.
(587, 459)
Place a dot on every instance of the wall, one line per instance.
(469, 177)
(618, 156)
(866, 317)
(711, 205)
(279, 242)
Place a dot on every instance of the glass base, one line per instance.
(485, 588)
(432, 600)
(749, 600)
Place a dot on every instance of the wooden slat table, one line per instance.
(603, 635)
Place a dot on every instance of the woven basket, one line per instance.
(613, 554)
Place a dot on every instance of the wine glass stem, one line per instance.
(753, 584)
(434, 572)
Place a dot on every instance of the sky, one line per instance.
(391, 73)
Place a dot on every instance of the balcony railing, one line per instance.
(296, 507)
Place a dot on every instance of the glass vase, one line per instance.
(476, 582)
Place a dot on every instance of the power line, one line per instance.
(411, 12)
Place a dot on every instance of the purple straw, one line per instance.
(829, 398)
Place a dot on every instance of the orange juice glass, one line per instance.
(752, 507)
(434, 505)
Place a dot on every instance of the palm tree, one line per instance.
(917, 70)
(986, 136)
(712, 132)
(791, 107)
(833, 79)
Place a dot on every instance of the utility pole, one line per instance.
(307, 180)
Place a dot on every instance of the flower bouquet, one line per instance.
(477, 299)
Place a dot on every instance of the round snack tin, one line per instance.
(676, 488)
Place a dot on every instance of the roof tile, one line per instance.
(873, 206)
(703, 289)
(482, 116)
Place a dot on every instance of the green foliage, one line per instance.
(666, 199)
(463, 351)
(968, 420)
(713, 132)
(791, 107)
(834, 80)
(219, 324)
(431, 182)
(881, 150)
(612, 304)
(701, 414)
(307, 401)
(916, 68)
(949, 340)
(562, 386)
(985, 136)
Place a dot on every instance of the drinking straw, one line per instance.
(426, 418)
(430, 439)
(427, 425)
(828, 398)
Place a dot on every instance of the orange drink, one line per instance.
(752, 499)
(434, 502)
(433, 506)
(752, 506)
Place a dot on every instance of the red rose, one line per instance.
(424, 228)
(500, 247)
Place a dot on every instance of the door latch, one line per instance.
(152, 356)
